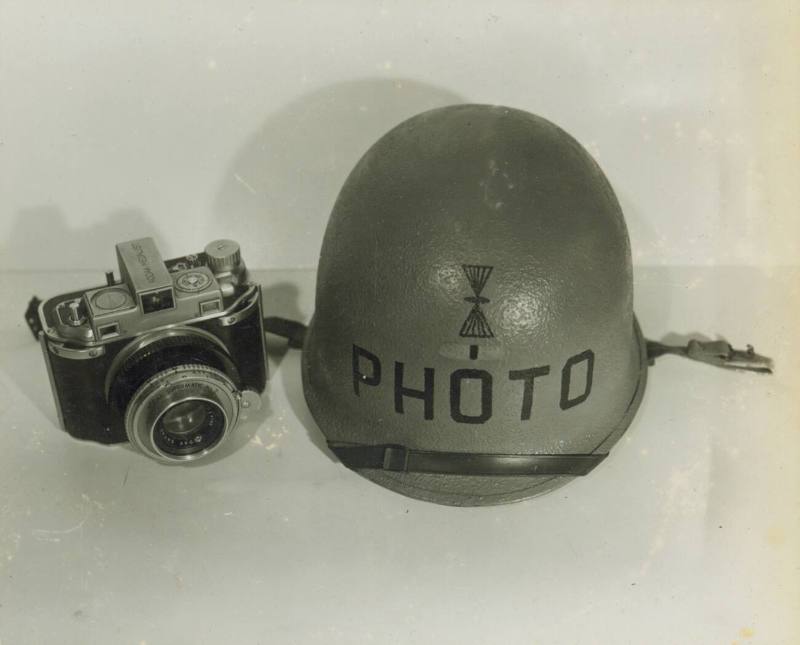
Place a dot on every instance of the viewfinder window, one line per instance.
(157, 301)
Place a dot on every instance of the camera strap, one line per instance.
(292, 330)
(717, 352)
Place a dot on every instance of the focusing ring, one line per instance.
(169, 388)
(177, 347)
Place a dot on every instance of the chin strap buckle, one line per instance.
(714, 352)
(395, 458)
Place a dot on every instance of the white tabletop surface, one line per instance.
(189, 121)
(686, 534)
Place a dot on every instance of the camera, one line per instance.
(169, 357)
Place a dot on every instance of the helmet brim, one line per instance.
(465, 490)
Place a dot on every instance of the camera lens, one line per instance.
(189, 427)
(182, 413)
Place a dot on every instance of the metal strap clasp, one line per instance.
(395, 458)
(714, 352)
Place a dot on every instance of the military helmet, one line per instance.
(474, 340)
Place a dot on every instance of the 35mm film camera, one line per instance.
(168, 357)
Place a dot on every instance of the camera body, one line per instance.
(168, 357)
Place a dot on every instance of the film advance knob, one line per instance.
(223, 255)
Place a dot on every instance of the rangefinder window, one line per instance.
(157, 301)
(107, 331)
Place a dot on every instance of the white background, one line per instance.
(198, 120)
(189, 121)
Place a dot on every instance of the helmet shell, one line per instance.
(475, 295)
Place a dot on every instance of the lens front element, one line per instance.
(182, 413)
(189, 427)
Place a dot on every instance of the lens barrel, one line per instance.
(189, 427)
(182, 413)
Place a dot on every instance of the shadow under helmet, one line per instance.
(474, 340)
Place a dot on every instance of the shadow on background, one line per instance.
(42, 237)
(287, 175)
(282, 184)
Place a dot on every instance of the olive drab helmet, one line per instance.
(474, 340)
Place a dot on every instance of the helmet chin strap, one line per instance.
(401, 459)
(396, 458)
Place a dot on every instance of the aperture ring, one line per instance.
(170, 387)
